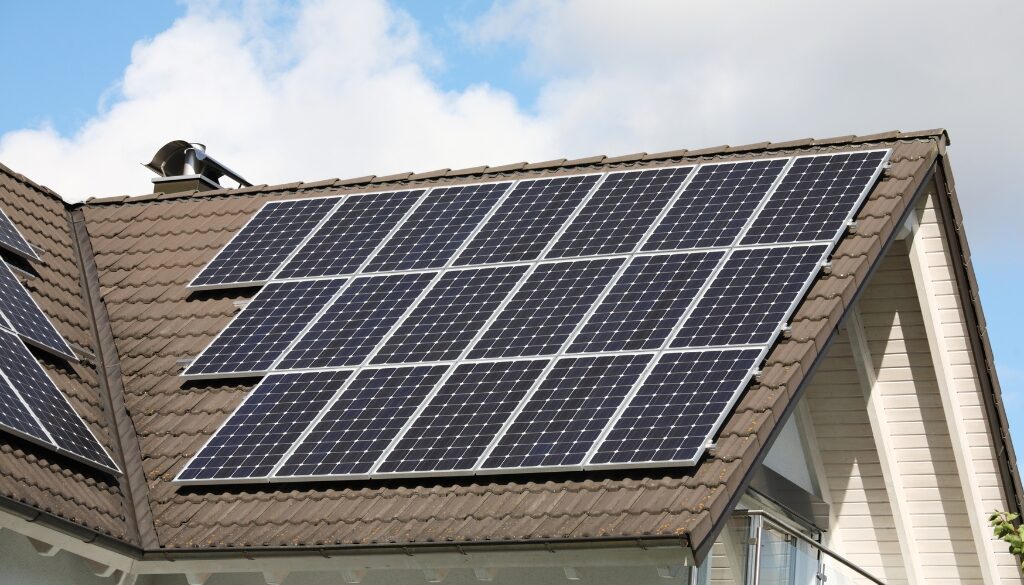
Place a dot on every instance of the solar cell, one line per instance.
(449, 315)
(264, 427)
(26, 318)
(677, 407)
(547, 308)
(750, 297)
(350, 235)
(359, 426)
(526, 221)
(12, 240)
(816, 197)
(565, 416)
(265, 328)
(15, 415)
(715, 205)
(50, 406)
(437, 228)
(459, 422)
(256, 252)
(355, 322)
(646, 302)
(619, 213)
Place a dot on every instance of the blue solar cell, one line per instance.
(265, 426)
(26, 318)
(715, 205)
(359, 426)
(358, 319)
(526, 221)
(437, 228)
(15, 416)
(677, 407)
(350, 235)
(815, 198)
(620, 212)
(646, 302)
(259, 249)
(12, 240)
(459, 422)
(565, 416)
(51, 407)
(546, 310)
(749, 298)
(450, 315)
(265, 328)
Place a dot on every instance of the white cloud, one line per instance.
(340, 90)
(345, 88)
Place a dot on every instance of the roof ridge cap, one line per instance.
(483, 170)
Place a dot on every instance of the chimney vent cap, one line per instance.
(180, 158)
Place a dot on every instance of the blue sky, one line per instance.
(267, 86)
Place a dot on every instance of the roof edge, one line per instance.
(937, 134)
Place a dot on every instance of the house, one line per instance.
(868, 448)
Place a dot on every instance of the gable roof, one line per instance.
(138, 254)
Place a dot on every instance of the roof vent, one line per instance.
(185, 166)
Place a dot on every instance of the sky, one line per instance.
(285, 91)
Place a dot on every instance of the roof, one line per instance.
(132, 308)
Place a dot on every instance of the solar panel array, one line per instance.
(556, 323)
(31, 406)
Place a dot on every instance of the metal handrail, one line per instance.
(767, 518)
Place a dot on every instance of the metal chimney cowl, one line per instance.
(185, 166)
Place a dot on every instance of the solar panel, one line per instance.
(264, 427)
(676, 407)
(715, 205)
(816, 197)
(357, 429)
(265, 328)
(751, 295)
(51, 408)
(450, 315)
(619, 213)
(459, 422)
(555, 323)
(256, 252)
(358, 319)
(12, 240)
(350, 235)
(437, 228)
(562, 420)
(26, 318)
(646, 302)
(15, 415)
(526, 221)
(547, 308)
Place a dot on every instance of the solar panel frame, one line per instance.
(284, 271)
(55, 344)
(245, 404)
(406, 258)
(238, 318)
(194, 283)
(25, 423)
(12, 240)
(850, 215)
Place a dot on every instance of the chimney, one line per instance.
(185, 166)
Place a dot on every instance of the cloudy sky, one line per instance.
(311, 90)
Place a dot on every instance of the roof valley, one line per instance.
(139, 515)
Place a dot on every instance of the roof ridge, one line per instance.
(396, 178)
(20, 178)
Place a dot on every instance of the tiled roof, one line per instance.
(29, 475)
(146, 249)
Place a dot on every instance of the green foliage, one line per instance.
(1002, 525)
